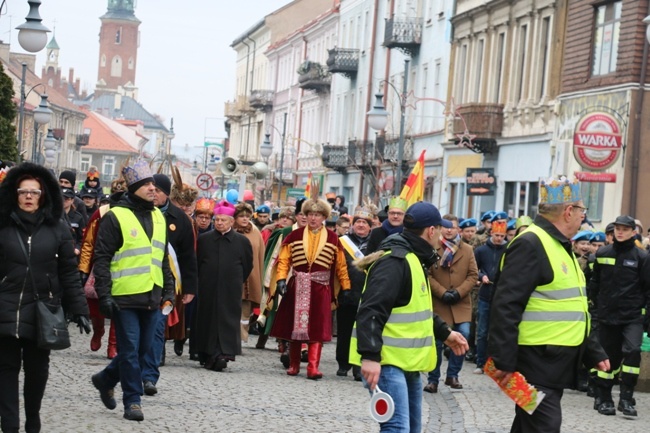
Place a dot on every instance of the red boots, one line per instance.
(294, 359)
(98, 332)
(111, 352)
(313, 359)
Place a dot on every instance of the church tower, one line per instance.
(51, 72)
(119, 38)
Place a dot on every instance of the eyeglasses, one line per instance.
(32, 192)
(583, 210)
(396, 213)
(203, 217)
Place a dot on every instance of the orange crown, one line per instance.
(499, 227)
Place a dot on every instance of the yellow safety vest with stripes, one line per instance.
(556, 313)
(408, 333)
(137, 265)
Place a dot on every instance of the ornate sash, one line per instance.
(303, 301)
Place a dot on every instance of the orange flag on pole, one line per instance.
(310, 191)
(413, 190)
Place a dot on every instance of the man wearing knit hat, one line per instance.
(133, 281)
(180, 238)
(225, 260)
(67, 179)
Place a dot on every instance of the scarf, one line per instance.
(391, 229)
(450, 249)
(164, 208)
(243, 229)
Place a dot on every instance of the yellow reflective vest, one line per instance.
(408, 341)
(137, 265)
(556, 313)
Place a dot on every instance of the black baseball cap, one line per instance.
(67, 192)
(422, 215)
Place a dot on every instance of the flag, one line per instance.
(413, 191)
(311, 189)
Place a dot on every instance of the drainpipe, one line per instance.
(248, 54)
(636, 141)
(250, 92)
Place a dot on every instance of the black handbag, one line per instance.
(51, 326)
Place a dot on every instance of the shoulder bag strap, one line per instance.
(29, 265)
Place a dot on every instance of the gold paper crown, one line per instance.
(362, 212)
(399, 203)
(499, 227)
(205, 205)
(558, 191)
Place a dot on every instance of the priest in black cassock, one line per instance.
(225, 259)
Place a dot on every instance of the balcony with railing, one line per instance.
(312, 76)
(391, 148)
(83, 139)
(335, 157)
(237, 108)
(405, 34)
(261, 99)
(343, 61)
(361, 153)
(483, 121)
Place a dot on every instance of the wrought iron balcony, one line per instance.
(484, 122)
(336, 157)
(261, 99)
(237, 108)
(83, 139)
(312, 76)
(361, 153)
(405, 34)
(58, 133)
(344, 61)
(391, 148)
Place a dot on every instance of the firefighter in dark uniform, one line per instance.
(619, 289)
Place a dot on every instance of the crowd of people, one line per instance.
(401, 288)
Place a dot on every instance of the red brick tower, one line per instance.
(118, 47)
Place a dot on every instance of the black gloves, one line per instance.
(108, 307)
(281, 287)
(82, 323)
(84, 278)
(451, 297)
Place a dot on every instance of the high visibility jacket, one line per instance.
(408, 341)
(556, 313)
(137, 265)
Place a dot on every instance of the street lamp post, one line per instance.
(284, 132)
(32, 35)
(42, 114)
(378, 119)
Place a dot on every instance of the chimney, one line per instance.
(71, 75)
(77, 85)
(118, 101)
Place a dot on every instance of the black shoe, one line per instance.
(303, 356)
(134, 413)
(470, 356)
(105, 393)
(607, 408)
(597, 402)
(356, 373)
(626, 407)
(178, 347)
(33, 424)
(583, 386)
(150, 388)
(284, 359)
(219, 364)
(591, 390)
(194, 357)
(343, 372)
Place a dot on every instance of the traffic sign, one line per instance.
(204, 181)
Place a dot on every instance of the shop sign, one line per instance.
(597, 141)
(595, 177)
(480, 181)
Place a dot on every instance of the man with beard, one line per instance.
(225, 260)
(619, 290)
(180, 237)
(390, 226)
(354, 245)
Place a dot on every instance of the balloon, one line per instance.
(232, 196)
(248, 195)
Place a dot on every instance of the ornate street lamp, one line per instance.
(50, 147)
(32, 35)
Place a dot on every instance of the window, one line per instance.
(103, 60)
(85, 163)
(131, 63)
(116, 67)
(109, 166)
(545, 41)
(521, 199)
(608, 23)
(118, 36)
(498, 77)
(478, 68)
(460, 85)
(592, 196)
(522, 62)
(436, 79)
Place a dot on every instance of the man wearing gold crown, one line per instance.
(392, 225)
(540, 324)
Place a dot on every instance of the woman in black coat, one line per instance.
(31, 208)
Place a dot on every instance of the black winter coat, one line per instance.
(350, 298)
(619, 291)
(48, 243)
(180, 235)
(488, 258)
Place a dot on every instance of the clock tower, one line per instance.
(119, 39)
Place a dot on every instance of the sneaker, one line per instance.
(478, 370)
(105, 393)
(150, 388)
(134, 413)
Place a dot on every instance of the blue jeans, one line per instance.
(482, 332)
(134, 329)
(406, 390)
(151, 359)
(455, 361)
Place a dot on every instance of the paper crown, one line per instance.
(204, 205)
(523, 221)
(499, 227)
(139, 171)
(558, 191)
(92, 174)
(362, 212)
(399, 203)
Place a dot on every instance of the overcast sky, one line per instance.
(186, 68)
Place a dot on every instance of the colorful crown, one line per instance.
(139, 171)
(558, 191)
(362, 212)
(205, 205)
(499, 227)
(399, 203)
(3, 173)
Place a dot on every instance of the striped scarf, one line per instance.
(450, 249)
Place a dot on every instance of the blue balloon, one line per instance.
(232, 196)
